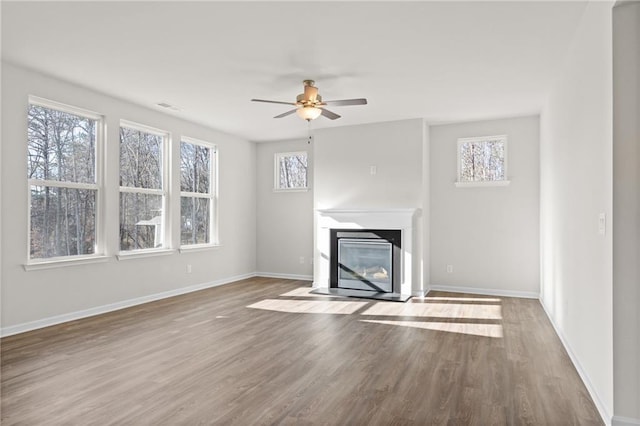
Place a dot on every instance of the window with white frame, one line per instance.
(143, 173)
(291, 171)
(482, 160)
(198, 194)
(64, 180)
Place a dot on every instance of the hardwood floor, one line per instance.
(264, 351)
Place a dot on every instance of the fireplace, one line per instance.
(366, 259)
(385, 226)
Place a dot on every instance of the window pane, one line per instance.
(292, 171)
(467, 164)
(195, 227)
(195, 168)
(63, 222)
(62, 146)
(482, 160)
(140, 221)
(140, 159)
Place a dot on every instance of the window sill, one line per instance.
(62, 263)
(199, 247)
(139, 254)
(480, 184)
(291, 189)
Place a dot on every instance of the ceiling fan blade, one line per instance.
(284, 114)
(310, 93)
(273, 102)
(345, 102)
(329, 114)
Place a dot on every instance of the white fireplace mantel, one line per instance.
(401, 219)
(380, 219)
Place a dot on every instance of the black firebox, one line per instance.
(366, 259)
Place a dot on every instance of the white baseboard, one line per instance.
(601, 407)
(285, 276)
(486, 291)
(72, 316)
(624, 421)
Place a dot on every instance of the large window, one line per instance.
(142, 187)
(482, 160)
(197, 193)
(63, 180)
(291, 171)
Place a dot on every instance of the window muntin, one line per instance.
(143, 171)
(198, 193)
(63, 176)
(291, 171)
(482, 159)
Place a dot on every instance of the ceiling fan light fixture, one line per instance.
(309, 112)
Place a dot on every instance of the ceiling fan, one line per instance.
(309, 105)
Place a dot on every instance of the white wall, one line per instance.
(35, 298)
(284, 219)
(626, 212)
(576, 186)
(489, 235)
(343, 157)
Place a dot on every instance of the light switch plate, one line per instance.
(602, 224)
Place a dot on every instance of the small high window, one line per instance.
(198, 194)
(482, 161)
(291, 171)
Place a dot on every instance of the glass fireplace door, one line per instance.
(365, 264)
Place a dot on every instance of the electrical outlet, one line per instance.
(189, 269)
(449, 269)
(302, 260)
(373, 170)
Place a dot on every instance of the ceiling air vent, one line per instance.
(168, 106)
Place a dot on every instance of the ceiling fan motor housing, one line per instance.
(302, 100)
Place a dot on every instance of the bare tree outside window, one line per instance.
(62, 178)
(141, 188)
(197, 192)
(482, 159)
(291, 170)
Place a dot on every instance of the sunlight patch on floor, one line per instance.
(436, 310)
(463, 299)
(309, 306)
(302, 292)
(484, 330)
(475, 316)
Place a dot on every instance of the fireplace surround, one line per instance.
(405, 261)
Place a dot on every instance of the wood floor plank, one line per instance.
(265, 351)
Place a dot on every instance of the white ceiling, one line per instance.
(442, 61)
